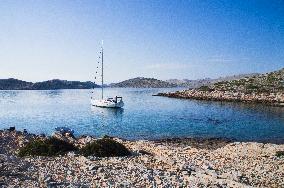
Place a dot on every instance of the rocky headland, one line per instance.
(265, 88)
(162, 163)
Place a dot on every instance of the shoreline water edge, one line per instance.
(186, 162)
(271, 99)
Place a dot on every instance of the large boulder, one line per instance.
(67, 137)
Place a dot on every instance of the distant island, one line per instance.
(261, 88)
(141, 82)
(15, 84)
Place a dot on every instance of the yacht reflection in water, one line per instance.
(107, 121)
(108, 112)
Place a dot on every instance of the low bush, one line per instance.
(48, 147)
(105, 147)
(252, 87)
(279, 154)
(205, 88)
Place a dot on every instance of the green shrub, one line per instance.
(205, 88)
(271, 77)
(107, 136)
(279, 154)
(48, 147)
(239, 83)
(104, 147)
(252, 87)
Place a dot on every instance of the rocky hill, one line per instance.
(262, 83)
(14, 84)
(264, 88)
(141, 82)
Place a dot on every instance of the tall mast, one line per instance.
(102, 71)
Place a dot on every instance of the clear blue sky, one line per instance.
(41, 40)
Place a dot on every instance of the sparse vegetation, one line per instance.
(264, 83)
(279, 154)
(105, 147)
(205, 88)
(48, 147)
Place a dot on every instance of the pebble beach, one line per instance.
(184, 162)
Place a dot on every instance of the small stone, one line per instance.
(69, 172)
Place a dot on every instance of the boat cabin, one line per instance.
(115, 100)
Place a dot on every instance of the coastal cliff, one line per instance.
(265, 88)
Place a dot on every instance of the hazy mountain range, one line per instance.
(139, 82)
(207, 81)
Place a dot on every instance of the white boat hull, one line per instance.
(107, 103)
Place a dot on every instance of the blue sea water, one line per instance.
(143, 117)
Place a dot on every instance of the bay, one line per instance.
(143, 117)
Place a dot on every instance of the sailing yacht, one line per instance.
(115, 102)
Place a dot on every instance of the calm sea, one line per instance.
(143, 117)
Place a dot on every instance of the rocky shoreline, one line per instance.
(274, 99)
(162, 163)
(265, 88)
